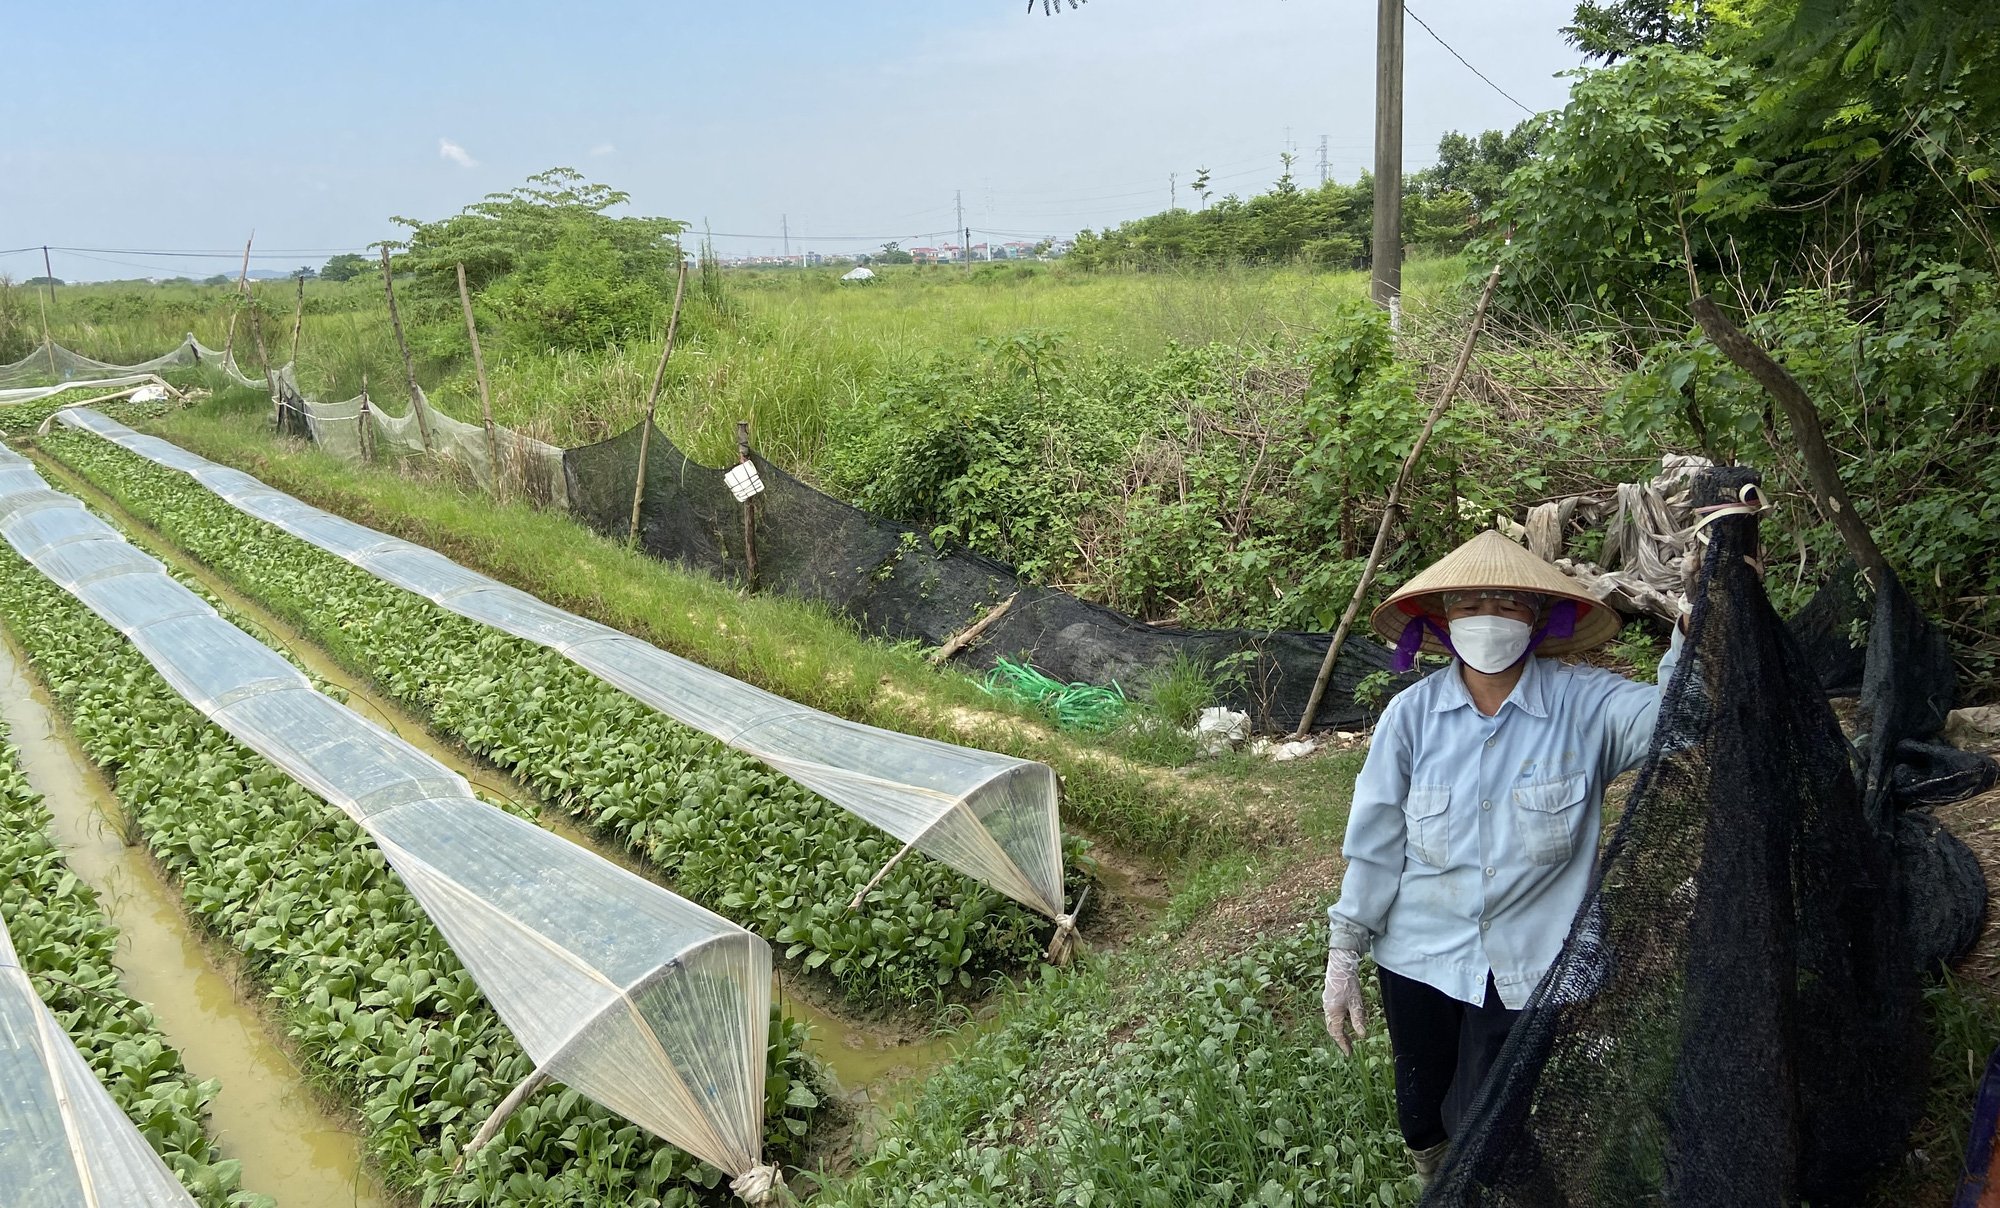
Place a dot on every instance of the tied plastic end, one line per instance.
(759, 1185)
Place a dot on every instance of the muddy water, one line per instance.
(871, 1063)
(264, 1115)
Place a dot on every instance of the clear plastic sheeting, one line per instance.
(643, 1001)
(992, 817)
(51, 363)
(63, 1141)
(357, 429)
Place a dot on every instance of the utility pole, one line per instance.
(1325, 171)
(50, 273)
(1387, 242)
(785, 229)
(1173, 192)
(964, 232)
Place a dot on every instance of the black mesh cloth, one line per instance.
(893, 582)
(1734, 1018)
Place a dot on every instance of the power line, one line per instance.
(1461, 58)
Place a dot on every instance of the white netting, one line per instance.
(63, 1142)
(992, 817)
(639, 999)
(358, 428)
(51, 364)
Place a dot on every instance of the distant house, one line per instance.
(927, 255)
(859, 274)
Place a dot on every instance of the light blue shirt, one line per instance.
(1472, 839)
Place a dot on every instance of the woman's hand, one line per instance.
(1342, 1000)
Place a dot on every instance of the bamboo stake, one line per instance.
(298, 321)
(1798, 408)
(242, 275)
(652, 401)
(48, 341)
(485, 398)
(1390, 510)
(367, 437)
(749, 515)
(409, 364)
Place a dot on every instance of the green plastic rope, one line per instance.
(1070, 706)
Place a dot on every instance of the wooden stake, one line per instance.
(48, 341)
(242, 275)
(1390, 509)
(487, 1131)
(367, 436)
(971, 634)
(652, 401)
(485, 399)
(1798, 408)
(749, 505)
(409, 364)
(298, 321)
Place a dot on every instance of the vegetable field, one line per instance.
(371, 998)
(717, 827)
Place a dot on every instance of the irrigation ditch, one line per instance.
(291, 1144)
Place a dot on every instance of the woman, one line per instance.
(1474, 828)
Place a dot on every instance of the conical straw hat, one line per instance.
(1490, 561)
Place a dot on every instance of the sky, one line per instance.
(137, 127)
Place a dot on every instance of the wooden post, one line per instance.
(298, 321)
(48, 341)
(367, 436)
(1390, 509)
(409, 364)
(749, 505)
(242, 275)
(1387, 251)
(970, 633)
(485, 398)
(1798, 408)
(652, 401)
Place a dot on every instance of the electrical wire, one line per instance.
(1461, 58)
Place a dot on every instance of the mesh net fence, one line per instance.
(51, 364)
(645, 1002)
(1734, 1016)
(894, 581)
(63, 1141)
(992, 817)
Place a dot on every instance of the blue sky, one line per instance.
(147, 126)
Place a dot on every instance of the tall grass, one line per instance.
(782, 350)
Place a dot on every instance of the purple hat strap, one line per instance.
(1559, 624)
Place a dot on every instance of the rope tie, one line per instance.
(758, 1185)
(1750, 502)
(1063, 946)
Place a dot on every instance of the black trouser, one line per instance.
(1444, 1049)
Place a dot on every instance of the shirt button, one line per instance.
(1484, 925)
(1486, 805)
(1489, 870)
(1491, 741)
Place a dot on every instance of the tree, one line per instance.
(44, 281)
(1201, 176)
(344, 267)
(893, 253)
(1478, 166)
(218, 279)
(304, 272)
(1614, 29)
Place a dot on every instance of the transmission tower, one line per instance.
(1325, 172)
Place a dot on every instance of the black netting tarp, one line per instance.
(1734, 1019)
(892, 581)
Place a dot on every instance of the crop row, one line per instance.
(374, 1002)
(725, 830)
(66, 946)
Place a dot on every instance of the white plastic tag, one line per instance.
(743, 481)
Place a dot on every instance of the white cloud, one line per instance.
(456, 154)
(603, 149)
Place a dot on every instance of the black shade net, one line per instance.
(1734, 1019)
(893, 582)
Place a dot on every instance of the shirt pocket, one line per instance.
(1427, 824)
(1549, 818)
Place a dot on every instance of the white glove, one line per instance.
(1342, 1000)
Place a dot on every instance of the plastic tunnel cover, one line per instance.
(640, 999)
(991, 817)
(63, 1142)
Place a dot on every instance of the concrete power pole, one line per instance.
(1173, 191)
(785, 233)
(1387, 241)
(964, 232)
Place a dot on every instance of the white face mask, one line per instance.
(1490, 644)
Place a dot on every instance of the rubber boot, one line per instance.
(1427, 1162)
